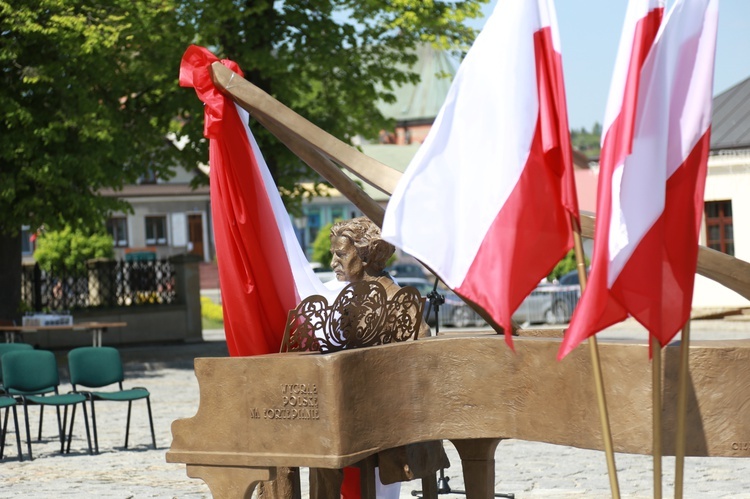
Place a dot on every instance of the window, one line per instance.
(147, 178)
(117, 227)
(156, 230)
(337, 213)
(313, 223)
(719, 229)
(27, 240)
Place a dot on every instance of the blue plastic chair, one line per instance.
(27, 375)
(97, 367)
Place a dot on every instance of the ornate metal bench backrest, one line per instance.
(360, 316)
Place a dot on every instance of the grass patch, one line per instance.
(211, 323)
(212, 315)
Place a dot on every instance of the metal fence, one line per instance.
(100, 283)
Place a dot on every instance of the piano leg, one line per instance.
(429, 487)
(325, 483)
(286, 485)
(367, 476)
(478, 463)
(229, 481)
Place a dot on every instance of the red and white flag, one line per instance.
(487, 201)
(263, 272)
(652, 176)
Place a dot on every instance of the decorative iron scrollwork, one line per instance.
(360, 316)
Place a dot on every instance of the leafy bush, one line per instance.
(71, 248)
(321, 247)
(211, 311)
(564, 266)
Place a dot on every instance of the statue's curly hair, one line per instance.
(365, 236)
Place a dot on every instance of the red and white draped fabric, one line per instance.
(263, 272)
(487, 201)
(652, 174)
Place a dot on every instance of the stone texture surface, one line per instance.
(527, 469)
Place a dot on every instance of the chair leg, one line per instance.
(127, 426)
(18, 434)
(151, 421)
(70, 431)
(86, 422)
(93, 422)
(28, 432)
(61, 426)
(41, 418)
(2, 435)
(69, 437)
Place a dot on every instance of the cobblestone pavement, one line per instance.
(526, 469)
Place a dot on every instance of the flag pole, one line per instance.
(656, 395)
(679, 454)
(597, 368)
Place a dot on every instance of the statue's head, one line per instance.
(357, 249)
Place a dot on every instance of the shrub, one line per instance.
(210, 310)
(564, 266)
(71, 249)
(321, 247)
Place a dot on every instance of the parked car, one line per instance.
(453, 312)
(550, 303)
(400, 270)
(565, 296)
(535, 309)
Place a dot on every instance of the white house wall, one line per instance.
(174, 210)
(728, 179)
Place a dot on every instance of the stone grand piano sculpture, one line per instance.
(437, 388)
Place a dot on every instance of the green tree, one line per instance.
(88, 91)
(71, 248)
(564, 266)
(321, 247)
(329, 60)
(587, 142)
(88, 94)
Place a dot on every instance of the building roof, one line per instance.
(151, 190)
(395, 156)
(730, 128)
(422, 101)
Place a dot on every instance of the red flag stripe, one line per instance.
(520, 239)
(499, 146)
(262, 270)
(596, 309)
(666, 301)
(652, 181)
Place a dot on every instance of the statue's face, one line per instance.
(345, 261)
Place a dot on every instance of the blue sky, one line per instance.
(590, 34)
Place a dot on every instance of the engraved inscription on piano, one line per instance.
(298, 401)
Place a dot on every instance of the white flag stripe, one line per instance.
(546, 14)
(673, 113)
(635, 12)
(490, 103)
(305, 280)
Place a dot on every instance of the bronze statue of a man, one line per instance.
(359, 254)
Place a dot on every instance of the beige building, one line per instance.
(168, 218)
(727, 197)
